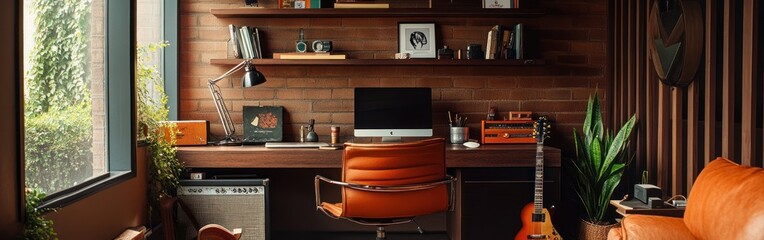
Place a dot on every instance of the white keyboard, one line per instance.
(295, 144)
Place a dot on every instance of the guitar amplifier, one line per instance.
(232, 203)
(508, 131)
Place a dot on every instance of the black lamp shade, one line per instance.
(252, 77)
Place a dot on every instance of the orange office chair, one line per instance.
(386, 184)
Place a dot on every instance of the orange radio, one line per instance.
(519, 129)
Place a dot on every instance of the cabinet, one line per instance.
(408, 13)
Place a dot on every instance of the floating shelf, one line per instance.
(382, 62)
(364, 12)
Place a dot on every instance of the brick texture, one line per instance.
(571, 37)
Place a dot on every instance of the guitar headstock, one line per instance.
(541, 129)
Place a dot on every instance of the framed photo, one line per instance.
(417, 39)
(500, 4)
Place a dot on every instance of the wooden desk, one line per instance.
(494, 182)
(457, 156)
(626, 210)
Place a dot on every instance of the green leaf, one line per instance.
(620, 140)
(596, 155)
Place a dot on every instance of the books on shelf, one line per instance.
(245, 42)
(308, 55)
(505, 42)
(360, 5)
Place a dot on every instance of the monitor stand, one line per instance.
(391, 139)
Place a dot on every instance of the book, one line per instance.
(361, 5)
(234, 45)
(493, 42)
(246, 42)
(488, 45)
(263, 124)
(257, 43)
(297, 55)
(506, 34)
(498, 44)
(519, 41)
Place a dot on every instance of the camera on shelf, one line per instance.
(322, 46)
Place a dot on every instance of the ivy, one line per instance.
(37, 227)
(59, 76)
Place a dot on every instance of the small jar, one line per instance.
(335, 134)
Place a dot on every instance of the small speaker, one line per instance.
(644, 192)
(232, 203)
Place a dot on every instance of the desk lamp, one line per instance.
(251, 78)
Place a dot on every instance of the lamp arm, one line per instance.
(231, 71)
(225, 117)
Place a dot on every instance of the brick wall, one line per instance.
(571, 37)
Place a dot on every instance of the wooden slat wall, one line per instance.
(681, 129)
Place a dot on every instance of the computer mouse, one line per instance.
(471, 144)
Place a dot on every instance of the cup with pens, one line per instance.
(460, 133)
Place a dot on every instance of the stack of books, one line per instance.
(505, 43)
(360, 4)
(245, 42)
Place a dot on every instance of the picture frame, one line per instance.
(417, 39)
(263, 124)
(500, 3)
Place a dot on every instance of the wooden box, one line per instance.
(189, 132)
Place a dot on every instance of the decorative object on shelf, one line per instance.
(475, 51)
(417, 39)
(286, 3)
(251, 78)
(251, 3)
(322, 46)
(601, 158)
(675, 33)
(263, 124)
(402, 56)
(501, 3)
(300, 4)
(311, 136)
(445, 53)
(301, 45)
(308, 55)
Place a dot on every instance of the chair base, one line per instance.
(381, 233)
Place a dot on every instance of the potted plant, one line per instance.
(157, 134)
(597, 169)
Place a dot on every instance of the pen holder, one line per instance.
(459, 134)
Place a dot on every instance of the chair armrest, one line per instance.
(636, 226)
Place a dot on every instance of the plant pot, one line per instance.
(590, 231)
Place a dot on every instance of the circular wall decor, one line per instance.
(675, 40)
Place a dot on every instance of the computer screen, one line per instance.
(392, 113)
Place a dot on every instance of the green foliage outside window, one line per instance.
(57, 145)
(58, 121)
(59, 75)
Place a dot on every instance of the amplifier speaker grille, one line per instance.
(230, 203)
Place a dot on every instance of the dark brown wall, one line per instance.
(9, 104)
(681, 129)
(570, 37)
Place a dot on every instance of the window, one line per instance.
(78, 107)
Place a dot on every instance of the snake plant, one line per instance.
(599, 163)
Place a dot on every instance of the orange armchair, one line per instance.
(385, 184)
(726, 202)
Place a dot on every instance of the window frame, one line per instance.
(120, 107)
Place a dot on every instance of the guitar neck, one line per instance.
(538, 200)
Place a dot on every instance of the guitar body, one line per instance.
(531, 228)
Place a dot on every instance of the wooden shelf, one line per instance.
(382, 62)
(389, 12)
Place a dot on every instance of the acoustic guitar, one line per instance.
(536, 221)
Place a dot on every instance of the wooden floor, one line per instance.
(357, 236)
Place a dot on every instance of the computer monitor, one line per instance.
(392, 113)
